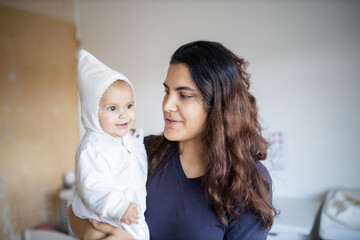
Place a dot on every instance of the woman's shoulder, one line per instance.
(265, 174)
(263, 170)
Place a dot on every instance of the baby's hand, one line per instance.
(131, 214)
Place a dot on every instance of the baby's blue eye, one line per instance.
(129, 106)
(112, 108)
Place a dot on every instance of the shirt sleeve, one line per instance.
(250, 226)
(96, 187)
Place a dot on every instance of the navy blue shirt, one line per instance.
(177, 209)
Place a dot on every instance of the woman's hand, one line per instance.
(115, 233)
(93, 231)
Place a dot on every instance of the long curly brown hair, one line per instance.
(232, 139)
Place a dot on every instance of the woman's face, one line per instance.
(183, 106)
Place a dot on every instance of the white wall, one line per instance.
(305, 66)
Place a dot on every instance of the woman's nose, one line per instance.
(169, 104)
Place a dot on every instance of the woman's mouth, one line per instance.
(171, 121)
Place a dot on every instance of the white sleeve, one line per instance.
(96, 187)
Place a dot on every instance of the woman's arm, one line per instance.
(82, 228)
(91, 231)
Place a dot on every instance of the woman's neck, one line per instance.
(192, 158)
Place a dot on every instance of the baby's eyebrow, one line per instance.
(108, 104)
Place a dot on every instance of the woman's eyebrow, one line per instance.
(182, 88)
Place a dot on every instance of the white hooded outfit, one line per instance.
(110, 172)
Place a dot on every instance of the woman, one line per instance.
(205, 179)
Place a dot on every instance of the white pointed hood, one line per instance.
(94, 78)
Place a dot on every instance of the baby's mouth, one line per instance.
(122, 125)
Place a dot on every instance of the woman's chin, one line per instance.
(170, 136)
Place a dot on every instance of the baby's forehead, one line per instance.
(120, 82)
(119, 91)
(121, 85)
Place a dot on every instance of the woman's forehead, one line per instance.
(179, 76)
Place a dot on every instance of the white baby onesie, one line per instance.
(110, 175)
(110, 172)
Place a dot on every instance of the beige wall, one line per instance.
(39, 121)
(58, 9)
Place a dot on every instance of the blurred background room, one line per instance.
(305, 73)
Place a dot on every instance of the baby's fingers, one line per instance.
(135, 219)
(132, 219)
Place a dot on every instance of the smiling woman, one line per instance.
(208, 157)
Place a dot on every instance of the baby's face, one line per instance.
(116, 109)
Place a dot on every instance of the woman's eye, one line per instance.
(166, 91)
(112, 108)
(185, 96)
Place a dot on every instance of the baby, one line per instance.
(111, 164)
